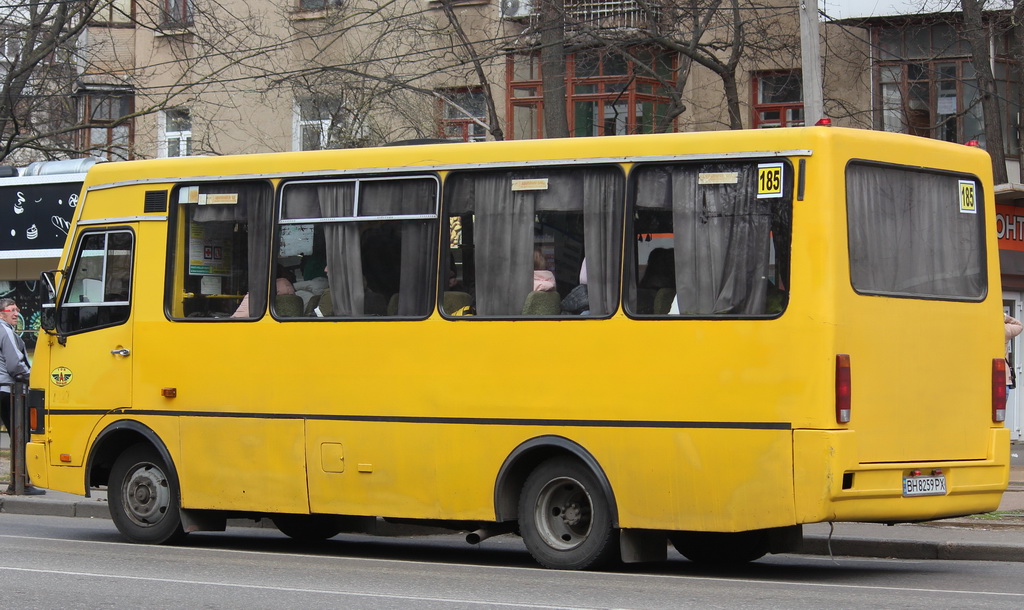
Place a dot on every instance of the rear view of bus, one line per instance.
(919, 372)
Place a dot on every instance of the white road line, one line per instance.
(594, 575)
(175, 581)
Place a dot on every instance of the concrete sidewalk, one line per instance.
(993, 537)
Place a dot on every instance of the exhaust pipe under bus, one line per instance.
(491, 530)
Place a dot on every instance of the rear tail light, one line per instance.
(36, 400)
(998, 390)
(843, 388)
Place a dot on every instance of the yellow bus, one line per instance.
(601, 344)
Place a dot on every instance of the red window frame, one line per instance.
(635, 87)
(775, 114)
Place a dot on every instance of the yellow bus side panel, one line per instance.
(661, 479)
(262, 466)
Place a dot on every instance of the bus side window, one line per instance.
(376, 238)
(709, 240)
(520, 236)
(222, 232)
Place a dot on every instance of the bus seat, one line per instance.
(288, 305)
(645, 300)
(542, 303)
(455, 300)
(374, 304)
(311, 304)
(393, 305)
(324, 304)
(663, 300)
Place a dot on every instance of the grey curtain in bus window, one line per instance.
(344, 255)
(253, 210)
(389, 200)
(504, 225)
(908, 235)
(419, 244)
(721, 234)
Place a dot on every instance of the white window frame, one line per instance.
(164, 135)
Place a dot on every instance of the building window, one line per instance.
(927, 86)
(934, 99)
(608, 93)
(10, 44)
(109, 128)
(317, 5)
(464, 115)
(325, 123)
(177, 12)
(111, 12)
(178, 132)
(778, 99)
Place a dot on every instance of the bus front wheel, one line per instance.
(144, 497)
(565, 517)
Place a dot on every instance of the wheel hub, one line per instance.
(563, 513)
(572, 514)
(146, 496)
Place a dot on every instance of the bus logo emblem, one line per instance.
(61, 376)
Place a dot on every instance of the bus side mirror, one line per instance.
(48, 302)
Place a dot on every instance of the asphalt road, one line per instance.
(49, 562)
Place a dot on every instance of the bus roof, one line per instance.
(875, 145)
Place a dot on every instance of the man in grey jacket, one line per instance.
(14, 366)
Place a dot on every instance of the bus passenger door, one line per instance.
(91, 361)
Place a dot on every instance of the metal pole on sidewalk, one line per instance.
(18, 475)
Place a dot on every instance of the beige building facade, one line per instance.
(245, 76)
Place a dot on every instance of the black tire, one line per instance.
(714, 548)
(144, 497)
(308, 528)
(565, 517)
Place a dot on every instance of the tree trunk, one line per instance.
(1017, 40)
(978, 38)
(552, 67)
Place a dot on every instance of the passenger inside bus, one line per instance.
(578, 301)
(658, 285)
(543, 278)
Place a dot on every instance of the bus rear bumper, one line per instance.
(840, 488)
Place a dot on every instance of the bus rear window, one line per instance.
(915, 233)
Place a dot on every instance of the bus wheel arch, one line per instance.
(529, 455)
(114, 440)
(563, 504)
(143, 492)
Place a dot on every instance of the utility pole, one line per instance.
(810, 56)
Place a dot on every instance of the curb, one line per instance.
(34, 505)
(910, 549)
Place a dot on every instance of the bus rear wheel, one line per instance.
(565, 517)
(144, 497)
(715, 548)
(308, 528)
